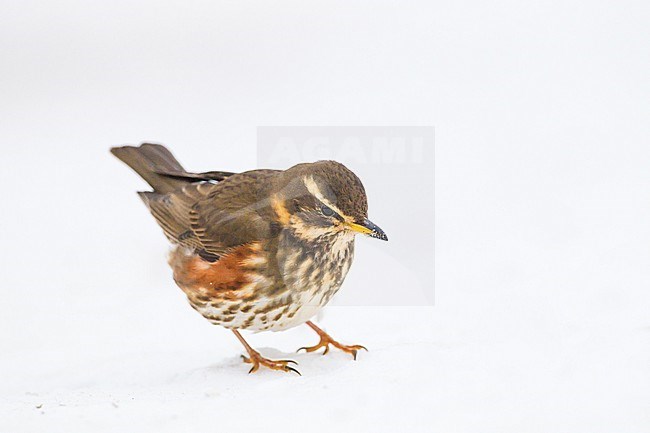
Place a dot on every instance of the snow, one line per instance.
(540, 322)
(529, 364)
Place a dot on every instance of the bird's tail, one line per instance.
(151, 162)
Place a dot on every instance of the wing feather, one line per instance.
(215, 217)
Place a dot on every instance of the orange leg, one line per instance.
(326, 340)
(257, 359)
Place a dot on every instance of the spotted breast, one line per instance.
(260, 288)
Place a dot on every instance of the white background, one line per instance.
(542, 207)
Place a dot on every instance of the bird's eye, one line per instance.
(326, 211)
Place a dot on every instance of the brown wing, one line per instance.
(216, 217)
(172, 211)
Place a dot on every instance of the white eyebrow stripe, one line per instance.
(314, 190)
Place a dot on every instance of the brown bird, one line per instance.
(262, 250)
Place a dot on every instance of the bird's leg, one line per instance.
(326, 340)
(255, 358)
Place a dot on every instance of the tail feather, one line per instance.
(149, 161)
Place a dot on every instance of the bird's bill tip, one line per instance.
(368, 228)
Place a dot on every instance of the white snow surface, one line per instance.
(541, 320)
(535, 363)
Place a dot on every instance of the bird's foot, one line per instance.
(257, 359)
(326, 340)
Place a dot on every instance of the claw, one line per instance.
(314, 348)
(293, 369)
(256, 359)
(326, 340)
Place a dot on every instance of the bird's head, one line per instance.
(323, 198)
